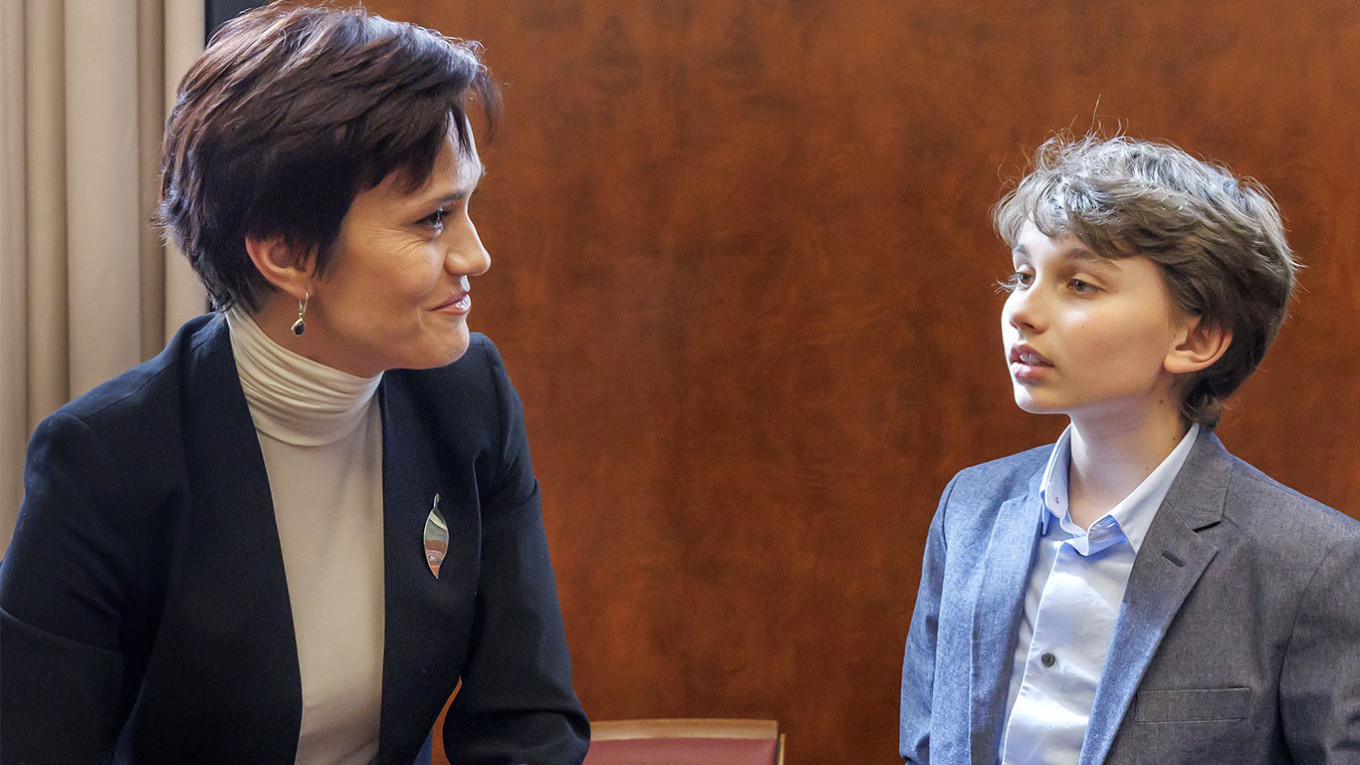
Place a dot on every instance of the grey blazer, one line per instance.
(1238, 640)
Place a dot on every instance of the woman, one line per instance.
(293, 533)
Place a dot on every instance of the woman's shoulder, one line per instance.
(479, 371)
(471, 394)
(149, 388)
(153, 388)
(125, 433)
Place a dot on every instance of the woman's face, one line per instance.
(396, 294)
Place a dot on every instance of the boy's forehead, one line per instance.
(1063, 247)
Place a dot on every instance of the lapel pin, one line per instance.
(436, 538)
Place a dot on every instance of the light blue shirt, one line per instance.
(1075, 589)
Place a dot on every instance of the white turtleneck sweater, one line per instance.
(321, 436)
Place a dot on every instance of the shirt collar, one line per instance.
(1130, 519)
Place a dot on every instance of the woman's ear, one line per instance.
(282, 266)
(1200, 345)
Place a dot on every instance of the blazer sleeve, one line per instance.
(516, 704)
(918, 663)
(1320, 677)
(62, 593)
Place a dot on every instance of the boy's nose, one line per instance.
(1021, 310)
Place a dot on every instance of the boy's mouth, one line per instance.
(1023, 354)
(1028, 366)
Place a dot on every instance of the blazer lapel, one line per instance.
(427, 619)
(1169, 564)
(996, 616)
(227, 617)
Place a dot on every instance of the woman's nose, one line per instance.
(466, 256)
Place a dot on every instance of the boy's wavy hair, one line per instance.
(1217, 239)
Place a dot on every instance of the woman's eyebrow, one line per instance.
(457, 193)
(481, 174)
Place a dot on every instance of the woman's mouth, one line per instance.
(457, 304)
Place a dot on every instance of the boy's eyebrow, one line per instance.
(1086, 256)
(1075, 253)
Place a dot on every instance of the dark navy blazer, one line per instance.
(143, 604)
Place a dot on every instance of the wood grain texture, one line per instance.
(743, 280)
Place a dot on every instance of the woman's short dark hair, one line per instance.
(1217, 239)
(288, 115)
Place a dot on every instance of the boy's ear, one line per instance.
(1201, 344)
(282, 266)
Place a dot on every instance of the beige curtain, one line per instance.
(88, 291)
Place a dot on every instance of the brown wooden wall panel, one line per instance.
(743, 281)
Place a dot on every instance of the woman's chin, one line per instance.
(450, 350)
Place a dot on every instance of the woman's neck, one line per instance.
(275, 319)
(292, 398)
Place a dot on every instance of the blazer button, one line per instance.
(1048, 659)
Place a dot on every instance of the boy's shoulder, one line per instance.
(976, 497)
(1005, 477)
(1262, 506)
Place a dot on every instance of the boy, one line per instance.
(1133, 593)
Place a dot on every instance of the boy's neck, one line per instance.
(1110, 457)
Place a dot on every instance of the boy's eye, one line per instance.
(1016, 281)
(1082, 287)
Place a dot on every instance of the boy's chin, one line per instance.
(1027, 403)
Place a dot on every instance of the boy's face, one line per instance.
(1089, 336)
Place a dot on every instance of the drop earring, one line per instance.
(298, 326)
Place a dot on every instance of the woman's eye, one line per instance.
(435, 219)
(1016, 281)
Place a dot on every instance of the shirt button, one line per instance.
(1048, 659)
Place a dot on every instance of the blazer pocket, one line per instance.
(1191, 705)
